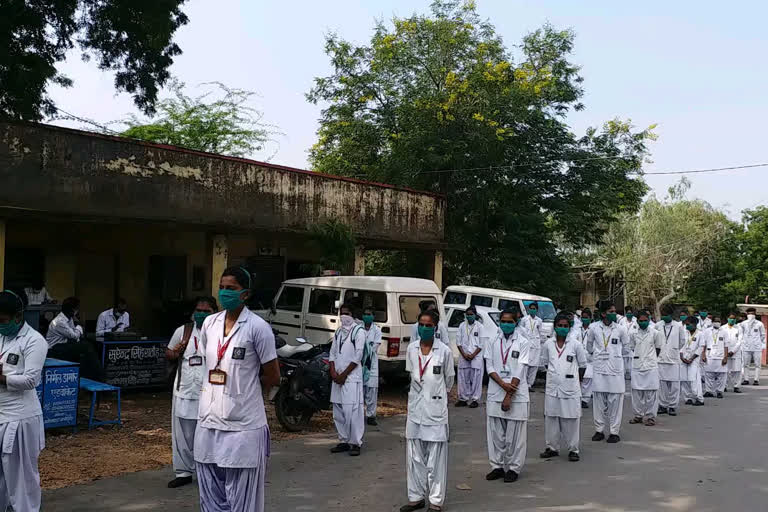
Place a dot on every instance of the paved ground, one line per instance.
(708, 459)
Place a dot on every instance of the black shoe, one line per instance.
(548, 454)
(372, 421)
(745, 382)
(495, 474)
(756, 383)
(410, 508)
(725, 390)
(662, 410)
(179, 481)
(672, 411)
(689, 402)
(599, 436)
(474, 405)
(510, 476)
(574, 457)
(531, 390)
(461, 403)
(737, 390)
(708, 395)
(339, 448)
(354, 450)
(719, 395)
(698, 403)
(613, 438)
(584, 405)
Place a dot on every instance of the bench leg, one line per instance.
(119, 421)
(93, 406)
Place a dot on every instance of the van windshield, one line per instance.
(546, 310)
(455, 298)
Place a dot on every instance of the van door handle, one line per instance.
(296, 316)
(333, 320)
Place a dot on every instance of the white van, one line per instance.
(309, 308)
(466, 296)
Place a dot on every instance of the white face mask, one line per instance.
(578, 312)
(750, 317)
(347, 322)
(716, 325)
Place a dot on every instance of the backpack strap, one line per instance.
(188, 328)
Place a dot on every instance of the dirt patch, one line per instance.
(144, 440)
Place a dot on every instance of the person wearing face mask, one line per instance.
(185, 347)
(22, 436)
(673, 337)
(507, 359)
(753, 334)
(629, 322)
(239, 367)
(705, 322)
(533, 330)
(646, 344)
(371, 366)
(714, 357)
(690, 380)
(470, 344)
(578, 334)
(566, 362)
(441, 331)
(734, 342)
(577, 315)
(430, 366)
(115, 319)
(605, 342)
(347, 386)
(66, 342)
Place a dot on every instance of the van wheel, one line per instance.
(291, 416)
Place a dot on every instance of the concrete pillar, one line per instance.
(219, 260)
(2, 253)
(437, 269)
(359, 260)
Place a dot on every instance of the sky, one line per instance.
(695, 68)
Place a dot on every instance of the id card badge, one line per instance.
(196, 361)
(217, 377)
(504, 373)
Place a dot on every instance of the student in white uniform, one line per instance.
(629, 322)
(533, 326)
(185, 348)
(605, 342)
(566, 361)
(673, 337)
(579, 334)
(441, 331)
(470, 343)
(22, 435)
(507, 359)
(426, 430)
(116, 319)
(690, 378)
(705, 322)
(714, 357)
(733, 339)
(232, 436)
(646, 343)
(371, 366)
(753, 334)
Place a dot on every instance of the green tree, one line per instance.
(750, 275)
(437, 103)
(224, 125)
(335, 242)
(132, 38)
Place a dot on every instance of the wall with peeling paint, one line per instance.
(61, 171)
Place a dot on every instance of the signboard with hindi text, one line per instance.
(134, 364)
(58, 392)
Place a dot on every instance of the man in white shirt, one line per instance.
(347, 386)
(64, 328)
(38, 295)
(714, 357)
(605, 342)
(734, 342)
(705, 321)
(645, 343)
(22, 356)
(66, 342)
(753, 334)
(507, 402)
(629, 322)
(673, 337)
(185, 348)
(470, 343)
(115, 319)
(534, 330)
(371, 366)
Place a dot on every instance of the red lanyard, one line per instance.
(194, 338)
(559, 352)
(504, 356)
(422, 369)
(221, 350)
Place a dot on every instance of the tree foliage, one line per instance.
(668, 245)
(438, 103)
(335, 242)
(749, 259)
(224, 125)
(132, 38)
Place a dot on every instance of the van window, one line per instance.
(457, 316)
(481, 300)
(508, 303)
(410, 309)
(368, 299)
(323, 302)
(455, 298)
(546, 310)
(290, 299)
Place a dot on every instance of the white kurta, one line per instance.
(645, 368)
(691, 350)
(672, 338)
(348, 398)
(62, 330)
(605, 343)
(107, 321)
(563, 391)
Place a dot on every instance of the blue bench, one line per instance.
(96, 387)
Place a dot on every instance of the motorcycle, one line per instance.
(305, 384)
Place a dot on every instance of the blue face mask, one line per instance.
(10, 329)
(230, 299)
(426, 333)
(507, 327)
(200, 316)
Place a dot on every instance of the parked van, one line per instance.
(466, 296)
(309, 308)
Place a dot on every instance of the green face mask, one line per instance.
(426, 333)
(629, 316)
(586, 321)
(611, 317)
(562, 332)
(690, 327)
(703, 314)
(470, 319)
(683, 318)
(666, 319)
(507, 327)
(643, 324)
(532, 311)
(230, 299)
(367, 319)
(731, 321)
(200, 316)
(10, 329)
